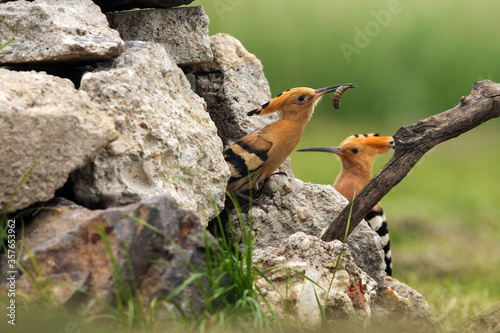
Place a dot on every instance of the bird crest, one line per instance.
(372, 142)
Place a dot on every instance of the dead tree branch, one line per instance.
(412, 142)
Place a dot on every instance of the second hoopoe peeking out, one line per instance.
(357, 154)
(257, 155)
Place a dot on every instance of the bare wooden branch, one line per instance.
(412, 142)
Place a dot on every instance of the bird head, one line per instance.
(294, 101)
(359, 149)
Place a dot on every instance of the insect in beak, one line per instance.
(338, 92)
(322, 91)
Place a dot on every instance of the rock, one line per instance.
(183, 31)
(232, 85)
(402, 307)
(55, 217)
(366, 248)
(295, 206)
(76, 254)
(353, 297)
(351, 293)
(167, 141)
(115, 5)
(56, 31)
(45, 115)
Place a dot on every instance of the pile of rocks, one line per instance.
(125, 115)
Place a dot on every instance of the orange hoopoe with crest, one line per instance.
(259, 154)
(357, 154)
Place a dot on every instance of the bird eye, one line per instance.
(301, 98)
(355, 150)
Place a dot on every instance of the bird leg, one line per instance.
(255, 201)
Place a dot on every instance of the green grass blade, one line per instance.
(12, 39)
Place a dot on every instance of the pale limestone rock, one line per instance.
(294, 206)
(52, 31)
(183, 31)
(45, 115)
(297, 206)
(350, 290)
(303, 270)
(168, 142)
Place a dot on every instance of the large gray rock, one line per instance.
(294, 206)
(351, 293)
(402, 308)
(183, 31)
(56, 31)
(74, 252)
(168, 142)
(114, 5)
(232, 85)
(45, 115)
(366, 248)
(302, 272)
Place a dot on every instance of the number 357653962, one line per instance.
(11, 240)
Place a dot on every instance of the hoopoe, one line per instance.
(357, 154)
(259, 154)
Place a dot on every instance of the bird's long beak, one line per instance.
(334, 150)
(322, 91)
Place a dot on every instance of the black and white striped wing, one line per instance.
(247, 156)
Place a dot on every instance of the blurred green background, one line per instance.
(410, 59)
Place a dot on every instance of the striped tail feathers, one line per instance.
(247, 156)
(377, 221)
